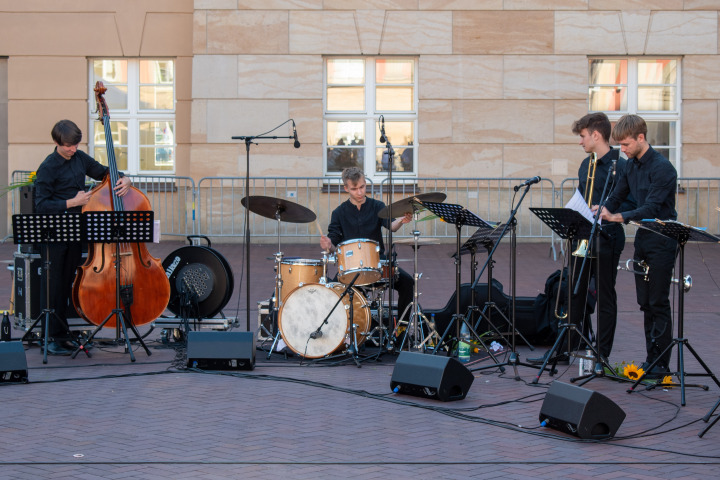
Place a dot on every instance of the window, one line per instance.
(141, 100)
(357, 92)
(649, 87)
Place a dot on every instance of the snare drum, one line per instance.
(298, 272)
(388, 271)
(359, 256)
(304, 311)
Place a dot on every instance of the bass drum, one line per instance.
(202, 271)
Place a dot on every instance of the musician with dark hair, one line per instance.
(60, 187)
(652, 180)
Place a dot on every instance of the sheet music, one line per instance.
(577, 203)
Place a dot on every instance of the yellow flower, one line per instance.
(632, 372)
(667, 381)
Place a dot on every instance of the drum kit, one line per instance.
(318, 318)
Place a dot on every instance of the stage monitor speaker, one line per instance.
(221, 350)
(430, 376)
(13, 364)
(580, 412)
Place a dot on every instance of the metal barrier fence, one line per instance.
(214, 207)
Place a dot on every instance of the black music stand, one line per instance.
(682, 234)
(487, 237)
(119, 227)
(44, 229)
(568, 224)
(458, 216)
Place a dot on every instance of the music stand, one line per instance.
(44, 229)
(118, 227)
(458, 216)
(568, 224)
(486, 237)
(682, 234)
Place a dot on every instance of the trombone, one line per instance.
(645, 270)
(583, 247)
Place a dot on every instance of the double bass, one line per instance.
(144, 285)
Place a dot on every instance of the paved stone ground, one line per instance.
(105, 417)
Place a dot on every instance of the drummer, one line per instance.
(358, 217)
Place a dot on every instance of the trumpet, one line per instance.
(645, 270)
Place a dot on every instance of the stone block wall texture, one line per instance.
(499, 81)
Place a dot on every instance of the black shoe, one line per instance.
(54, 348)
(658, 371)
(562, 359)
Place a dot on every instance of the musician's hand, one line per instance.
(407, 218)
(326, 244)
(82, 198)
(610, 217)
(122, 187)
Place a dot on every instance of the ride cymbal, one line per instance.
(279, 209)
(406, 205)
(420, 241)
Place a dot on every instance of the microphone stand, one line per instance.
(390, 249)
(249, 140)
(600, 363)
(318, 332)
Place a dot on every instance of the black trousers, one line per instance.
(605, 276)
(64, 260)
(404, 287)
(653, 295)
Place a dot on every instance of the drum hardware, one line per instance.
(359, 256)
(281, 211)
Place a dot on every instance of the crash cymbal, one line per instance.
(421, 241)
(405, 205)
(274, 208)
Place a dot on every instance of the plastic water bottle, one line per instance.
(5, 335)
(431, 342)
(464, 344)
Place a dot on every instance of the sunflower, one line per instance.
(632, 372)
(667, 381)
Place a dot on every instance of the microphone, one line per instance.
(297, 142)
(382, 129)
(316, 334)
(529, 181)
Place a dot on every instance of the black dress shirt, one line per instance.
(602, 170)
(347, 222)
(652, 181)
(59, 180)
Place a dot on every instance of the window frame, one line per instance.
(134, 115)
(370, 118)
(633, 86)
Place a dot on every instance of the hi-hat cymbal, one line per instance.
(406, 205)
(420, 241)
(277, 208)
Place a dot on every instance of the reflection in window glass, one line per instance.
(608, 72)
(657, 72)
(156, 98)
(394, 99)
(345, 71)
(608, 99)
(345, 99)
(346, 145)
(157, 142)
(120, 143)
(656, 98)
(395, 72)
(114, 75)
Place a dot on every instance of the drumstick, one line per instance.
(317, 224)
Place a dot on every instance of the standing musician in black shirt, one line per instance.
(594, 132)
(652, 180)
(60, 187)
(357, 217)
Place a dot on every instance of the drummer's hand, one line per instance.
(326, 243)
(407, 218)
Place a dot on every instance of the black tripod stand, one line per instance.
(119, 227)
(46, 228)
(568, 224)
(682, 234)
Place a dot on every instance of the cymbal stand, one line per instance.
(33, 228)
(277, 301)
(414, 327)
